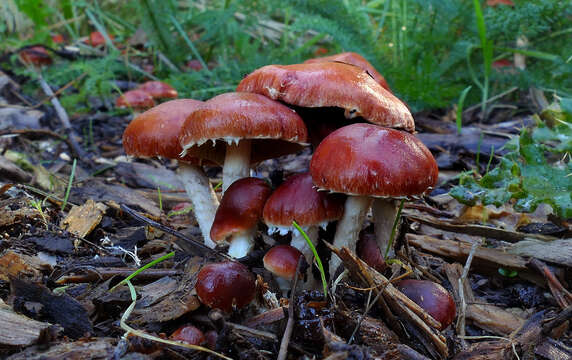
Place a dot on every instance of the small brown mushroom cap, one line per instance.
(155, 133)
(188, 334)
(356, 59)
(274, 128)
(297, 199)
(369, 160)
(330, 84)
(159, 90)
(282, 261)
(240, 208)
(225, 285)
(432, 297)
(368, 250)
(135, 99)
(35, 55)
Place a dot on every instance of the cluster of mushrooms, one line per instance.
(365, 156)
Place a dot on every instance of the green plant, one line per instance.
(38, 205)
(316, 257)
(70, 183)
(394, 229)
(487, 52)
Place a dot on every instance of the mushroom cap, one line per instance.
(158, 90)
(135, 99)
(298, 199)
(356, 59)
(369, 160)
(282, 260)
(97, 39)
(35, 55)
(330, 84)
(432, 297)
(368, 250)
(274, 128)
(240, 208)
(189, 335)
(225, 285)
(156, 131)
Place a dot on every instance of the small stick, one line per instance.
(461, 320)
(62, 114)
(290, 324)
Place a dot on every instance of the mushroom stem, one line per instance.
(241, 244)
(236, 163)
(384, 213)
(301, 244)
(349, 226)
(202, 196)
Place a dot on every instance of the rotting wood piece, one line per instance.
(81, 220)
(415, 318)
(485, 316)
(17, 330)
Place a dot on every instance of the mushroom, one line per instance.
(97, 39)
(282, 261)
(155, 133)
(432, 297)
(136, 100)
(298, 200)
(238, 214)
(158, 90)
(249, 124)
(35, 56)
(188, 334)
(368, 251)
(356, 59)
(225, 286)
(367, 161)
(319, 90)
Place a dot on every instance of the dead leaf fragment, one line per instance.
(81, 220)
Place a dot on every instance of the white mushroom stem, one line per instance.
(384, 213)
(241, 244)
(202, 196)
(301, 244)
(349, 226)
(236, 163)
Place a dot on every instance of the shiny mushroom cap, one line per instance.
(297, 199)
(155, 133)
(159, 90)
(330, 84)
(356, 59)
(188, 334)
(225, 285)
(35, 55)
(368, 160)
(135, 99)
(274, 128)
(240, 208)
(282, 260)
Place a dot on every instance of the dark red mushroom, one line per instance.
(432, 297)
(367, 161)
(282, 260)
(135, 99)
(225, 286)
(36, 56)
(368, 251)
(238, 214)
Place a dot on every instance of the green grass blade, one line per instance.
(190, 44)
(460, 106)
(318, 260)
(143, 268)
(394, 228)
(70, 181)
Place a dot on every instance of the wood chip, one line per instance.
(81, 220)
(20, 266)
(17, 330)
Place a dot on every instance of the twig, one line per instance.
(461, 319)
(62, 114)
(491, 99)
(563, 297)
(290, 324)
(26, 132)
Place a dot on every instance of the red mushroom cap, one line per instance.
(155, 133)
(274, 128)
(432, 297)
(225, 285)
(282, 260)
(368, 251)
(330, 84)
(240, 208)
(189, 335)
(135, 99)
(159, 90)
(97, 39)
(298, 199)
(356, 59)
(35, 55)
(368, 160)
